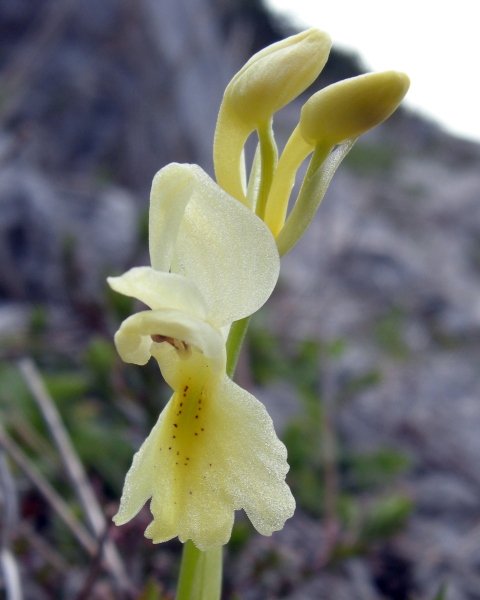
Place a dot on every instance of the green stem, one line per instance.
(234, 343)
(268, 156)
(201, 572)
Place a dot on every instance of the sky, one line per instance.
(437, 47)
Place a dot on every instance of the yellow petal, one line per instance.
(351, 107)
(220, 245)
(158, 289)
(171, 191)
(213, 451)
(135, 345)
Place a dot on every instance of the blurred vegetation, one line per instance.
(109, 407)
(357, 490)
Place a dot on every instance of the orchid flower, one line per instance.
(214, 449)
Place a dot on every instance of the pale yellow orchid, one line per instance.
(214, 449)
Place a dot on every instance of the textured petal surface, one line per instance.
(213, 451)
(172, 188)
(227, 251)
(220, 245)
(158, 289)
(135, 345)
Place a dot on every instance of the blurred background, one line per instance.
(366, 356)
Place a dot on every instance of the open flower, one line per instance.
(214, 449)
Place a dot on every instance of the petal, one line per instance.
(135, 345)
(227, 251)
(172, 188)
(158, 289)
(218, 455)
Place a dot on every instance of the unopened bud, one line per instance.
(351, 107)
(276, 75)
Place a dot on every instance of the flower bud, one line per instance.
(276, 75)
(351, 107)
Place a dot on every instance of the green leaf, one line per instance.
(442, 592)
(152, 591)
(387, 517)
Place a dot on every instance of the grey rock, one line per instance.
(40, 222)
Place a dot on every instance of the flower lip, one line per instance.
(213, 451)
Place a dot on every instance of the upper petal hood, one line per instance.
(212, 239)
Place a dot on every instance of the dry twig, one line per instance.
(47, 491)
(74, 469)
(43, 548)
(9, 506)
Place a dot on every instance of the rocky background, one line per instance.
(368, 348)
